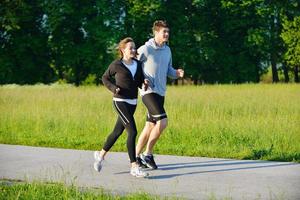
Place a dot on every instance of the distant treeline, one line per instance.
(224, 41)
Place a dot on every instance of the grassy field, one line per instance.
(251, 121)
(14, 190)
(37, 190)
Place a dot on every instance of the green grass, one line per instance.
(19, 190)
(251, 121)
(48, 191)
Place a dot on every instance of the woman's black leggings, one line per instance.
(125, 121)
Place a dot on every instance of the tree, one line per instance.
(24, 56)
(214, 41)
(182, 18)
(139, 16)
(291, 38)
(273, 12)
(242, 29)
(81, 34)
(228, 36)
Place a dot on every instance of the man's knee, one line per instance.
(163, 123)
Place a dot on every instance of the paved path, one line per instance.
(187, 177)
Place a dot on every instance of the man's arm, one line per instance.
(173, 73)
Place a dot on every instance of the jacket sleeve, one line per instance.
(141, 53)
(107, 78)
(171, 71)
(141, 59)
(141, 75)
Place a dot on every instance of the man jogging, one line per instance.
(157, 66)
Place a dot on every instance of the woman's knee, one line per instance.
(132, 134)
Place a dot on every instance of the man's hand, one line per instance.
(180, 73)
(146, 84)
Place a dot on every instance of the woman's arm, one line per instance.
(107, 79)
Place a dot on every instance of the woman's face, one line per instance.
(129, 51)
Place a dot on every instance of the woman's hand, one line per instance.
(117, 91)
(145, 84)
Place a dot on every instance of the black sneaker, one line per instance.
(140, 162)
(149, 160)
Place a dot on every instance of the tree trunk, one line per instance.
(195, 81)
(286, 73)
(77, 77)
(78, 70)
(257, 77)
(176, 82)
(274, 71)
(273, 56)
(60, 73)
(296, 71)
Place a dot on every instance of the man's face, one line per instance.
(162, 34)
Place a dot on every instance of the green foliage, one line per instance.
(79, 36)
(90, 80)
(214, 41)
(139, 16)
(291, 37)
(24, 55)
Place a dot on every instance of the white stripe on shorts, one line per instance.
(161, 115)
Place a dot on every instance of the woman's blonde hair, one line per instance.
(122, 45)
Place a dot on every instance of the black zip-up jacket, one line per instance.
(118, 76)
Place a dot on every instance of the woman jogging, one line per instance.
(128, 75)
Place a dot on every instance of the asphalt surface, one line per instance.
(177, 176)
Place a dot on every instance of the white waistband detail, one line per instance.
(130, 101)
(161, 115)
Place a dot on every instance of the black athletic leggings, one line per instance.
(125, 121)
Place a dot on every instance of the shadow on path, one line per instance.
(192, 165)
(269, 165)
(214, 163)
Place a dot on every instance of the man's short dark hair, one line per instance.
(158, 24)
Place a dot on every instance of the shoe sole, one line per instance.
(149, 166)
(140, 176)
(143, 165)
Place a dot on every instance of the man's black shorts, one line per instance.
(155, 106)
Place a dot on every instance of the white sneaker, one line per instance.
(138, 172)
(99, 161)
(97, 156)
